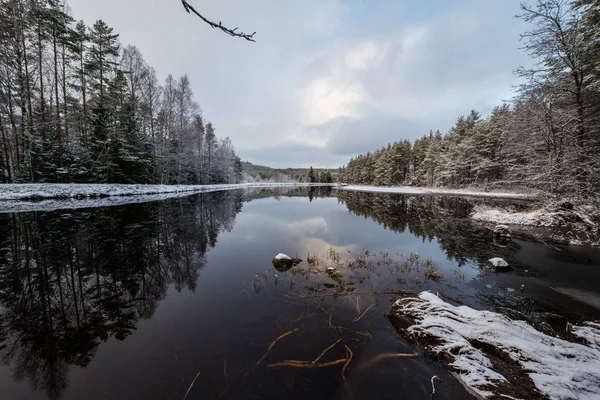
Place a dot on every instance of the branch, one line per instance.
(230, 32)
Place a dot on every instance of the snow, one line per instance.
(498, 262)
(50, 197)
(282, 256)
(37, 191)
(558, 368)
(589, 332)
(433, 191)
(535, 218)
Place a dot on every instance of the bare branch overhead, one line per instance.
(230, 32)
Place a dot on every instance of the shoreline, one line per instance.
(410, 190)
(12, 192)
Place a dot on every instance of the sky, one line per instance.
(327, 80)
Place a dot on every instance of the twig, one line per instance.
(365, 333)
(225, 370)
(325, 351)
(230, 32)
(347, 363)
(334, 326)
(191, 384)
(433, 384)
(306, 364)
(363, 314)
(380, 357)
(357, 307)
(302, 316)
(273, 344)
(332, 363)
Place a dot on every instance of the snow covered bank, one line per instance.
(48, 205)
(551, 215)
(49, 197)
(39, 191)
(534, 218)
(481, 344)
(434, 191)
(564, 223)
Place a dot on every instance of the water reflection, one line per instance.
(443, 219)
(68, 282)
(72, 280)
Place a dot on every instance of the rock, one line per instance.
(283, 262)
(499, 264)
(557, 322)
(566, 205)
(502, 232)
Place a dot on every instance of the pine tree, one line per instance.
(311, 175)
(101, 62)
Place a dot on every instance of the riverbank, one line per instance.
(41, 191)
(558, 223)
(437, 191)
(50, 196)
(498, 357)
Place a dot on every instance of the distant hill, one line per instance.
(284, 174)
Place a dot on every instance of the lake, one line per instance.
(180, 299)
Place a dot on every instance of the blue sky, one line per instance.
(327, 79)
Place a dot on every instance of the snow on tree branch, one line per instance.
(230, 32)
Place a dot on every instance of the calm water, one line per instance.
(135, 301)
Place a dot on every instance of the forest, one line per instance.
(547, 138)
(76, 106)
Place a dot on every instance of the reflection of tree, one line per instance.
(71, 281)
(432, 218)
(319, 191)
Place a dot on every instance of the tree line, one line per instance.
(77, 107)
(547, 138)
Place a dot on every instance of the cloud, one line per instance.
(327, 79)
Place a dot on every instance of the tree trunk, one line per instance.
(83, 92)
(58, 124)
(26, 141)
(6, 151)
(41, 73)
(64, 90)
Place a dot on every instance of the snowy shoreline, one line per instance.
(555, 223)
(40, 191)
(435, 191)
(483, 345)
(50, 196)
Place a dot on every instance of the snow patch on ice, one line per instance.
(558, 368)
(433, 191)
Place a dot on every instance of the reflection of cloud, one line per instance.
(319, 246)
(310, 226)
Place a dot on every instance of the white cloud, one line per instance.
(326, 77)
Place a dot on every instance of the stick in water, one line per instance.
(363, 314)
(273, 344)
(433, 385)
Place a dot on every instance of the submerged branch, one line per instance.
(273, 344)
